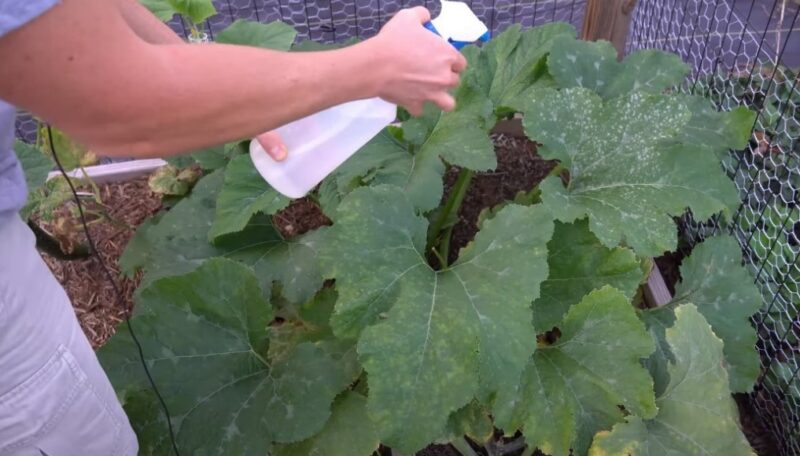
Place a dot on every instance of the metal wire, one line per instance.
(728, 45)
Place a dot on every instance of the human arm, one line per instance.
(81, 67)
(144, 24)
(152, 30)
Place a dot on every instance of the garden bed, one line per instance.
(129, 203)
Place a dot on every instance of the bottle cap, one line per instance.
(457, 24)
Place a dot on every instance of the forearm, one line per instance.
(187, 97)
(145, 24)
(128, 97)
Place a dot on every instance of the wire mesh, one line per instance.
(747, 53)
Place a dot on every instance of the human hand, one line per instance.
(273, 145)
(414, 64)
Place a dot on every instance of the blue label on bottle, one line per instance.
(458, 44)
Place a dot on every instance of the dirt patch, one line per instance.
(128, 204)
(519, 168)
(300, 217)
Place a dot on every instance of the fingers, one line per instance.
(460, 63)
(421, 13)
(415, 109)
(444, 101)
(455, 80)
(273, 144)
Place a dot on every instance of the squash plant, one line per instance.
(191, 12)
(371, 330)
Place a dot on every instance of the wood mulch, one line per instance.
(96, 303)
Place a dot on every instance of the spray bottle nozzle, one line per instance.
(458, 25)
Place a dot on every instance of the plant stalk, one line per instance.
(463, 447)
(452, 205)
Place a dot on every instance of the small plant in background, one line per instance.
(50, 210)
(376, 330)
(192, 13)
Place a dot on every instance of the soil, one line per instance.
(519, 169)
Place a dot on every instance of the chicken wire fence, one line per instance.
(747, 53)
(742, 52)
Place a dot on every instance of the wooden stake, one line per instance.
(608, 20)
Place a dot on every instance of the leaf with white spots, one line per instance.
(579, 263)
(243, 194)
(177, 242)
(204, 338)
(431, 340)
(627, 172)
(574, 387)
(714, 280)
(594, 66)
(696, 413)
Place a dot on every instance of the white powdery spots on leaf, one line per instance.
(627, 173)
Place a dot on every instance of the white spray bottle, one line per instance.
(320, 143)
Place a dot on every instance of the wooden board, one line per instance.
(608, 20)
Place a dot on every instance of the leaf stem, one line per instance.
(460, 192)
(463, 447)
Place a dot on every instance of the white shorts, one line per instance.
(55, 399)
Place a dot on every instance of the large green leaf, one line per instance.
(445, 336)
(594, 66)
(243, 194)
(513, 61)
(579, 263)
(309, 322)
(714, 280)
(349, 432)
(387, 160)
(697, 415)
(196, 10)
(626, 171)
(572, 388)
(204, 338)
(275, 35)
(178, 243)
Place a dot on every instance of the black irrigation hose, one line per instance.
(110, 278)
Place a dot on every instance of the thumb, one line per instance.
(273, 144)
